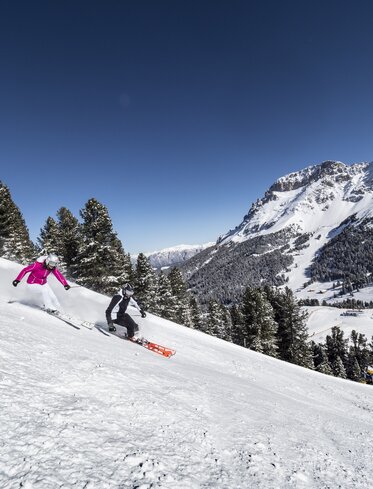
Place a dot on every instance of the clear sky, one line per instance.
(177, 115)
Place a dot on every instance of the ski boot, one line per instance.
(138, 339)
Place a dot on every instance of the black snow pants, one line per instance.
(128, 323)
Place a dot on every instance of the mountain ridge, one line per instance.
(173, 255)
(309, 207)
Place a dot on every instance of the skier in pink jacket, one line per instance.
(38, 274)
(40, 270)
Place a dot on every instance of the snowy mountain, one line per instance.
(317, 198)
(173, 256)
(283, 233)
(80, 409)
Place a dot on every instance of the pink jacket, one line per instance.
(39, 273)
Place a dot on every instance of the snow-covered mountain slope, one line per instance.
(314, 201)
(173, 256)
(83, 410)
(322, 319)
(284, 231)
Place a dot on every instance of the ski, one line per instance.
(57, 315)
(87, 324)
(102, 330)
(70, 319)
(149, 345)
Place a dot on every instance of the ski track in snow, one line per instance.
(83, 410)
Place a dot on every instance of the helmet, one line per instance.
(51, 261)
(127, 290)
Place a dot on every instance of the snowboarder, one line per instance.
(39, 271)
(121, 300)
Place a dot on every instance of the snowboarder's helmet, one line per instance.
(127, 290)
(51, 261)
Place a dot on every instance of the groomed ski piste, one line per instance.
(79, 409)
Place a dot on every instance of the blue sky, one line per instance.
(177, 115)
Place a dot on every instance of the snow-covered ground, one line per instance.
(83, 410)
(322, 319)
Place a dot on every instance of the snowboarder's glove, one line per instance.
(143, 314)
(67, 286)
(15, 282)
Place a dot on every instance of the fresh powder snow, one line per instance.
(83, 410)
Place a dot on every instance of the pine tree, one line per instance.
(146, 284)
(227, 321)
(196, 315)
(338, 368)
(324, 367)
(71, 240)
(360, 349)
(215, 320)
(321, 362)
(182, 298)
(370, 352)
(259, 323)
(292, 330)
(353, 370)
(101, 263)
(15, 242)
(50, 238)
(237, 320)
(128, 268)
(166, 306)
(336, 347)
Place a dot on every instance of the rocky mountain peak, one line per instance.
(305, 193)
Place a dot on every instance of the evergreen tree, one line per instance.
(146, 284)
(360, 349)
(166, 306)
(227, 321)
(237, 321)
(292, 330)
(15, 243)
(50, 238)
(321, 362)
(324, 367)
(101, 261)
(215, 320)
(338, 368)
(182, 298)
(336, 347)
(196, 315)
(128, 268)
(317, 350)
(71, 240)
(259, 323)
(370, 352)
(353, 370)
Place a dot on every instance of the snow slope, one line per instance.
(322, 319)
(83, 410)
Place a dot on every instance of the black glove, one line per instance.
(143, 314)
(15, 282)
(67, 286)
(111, 326)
